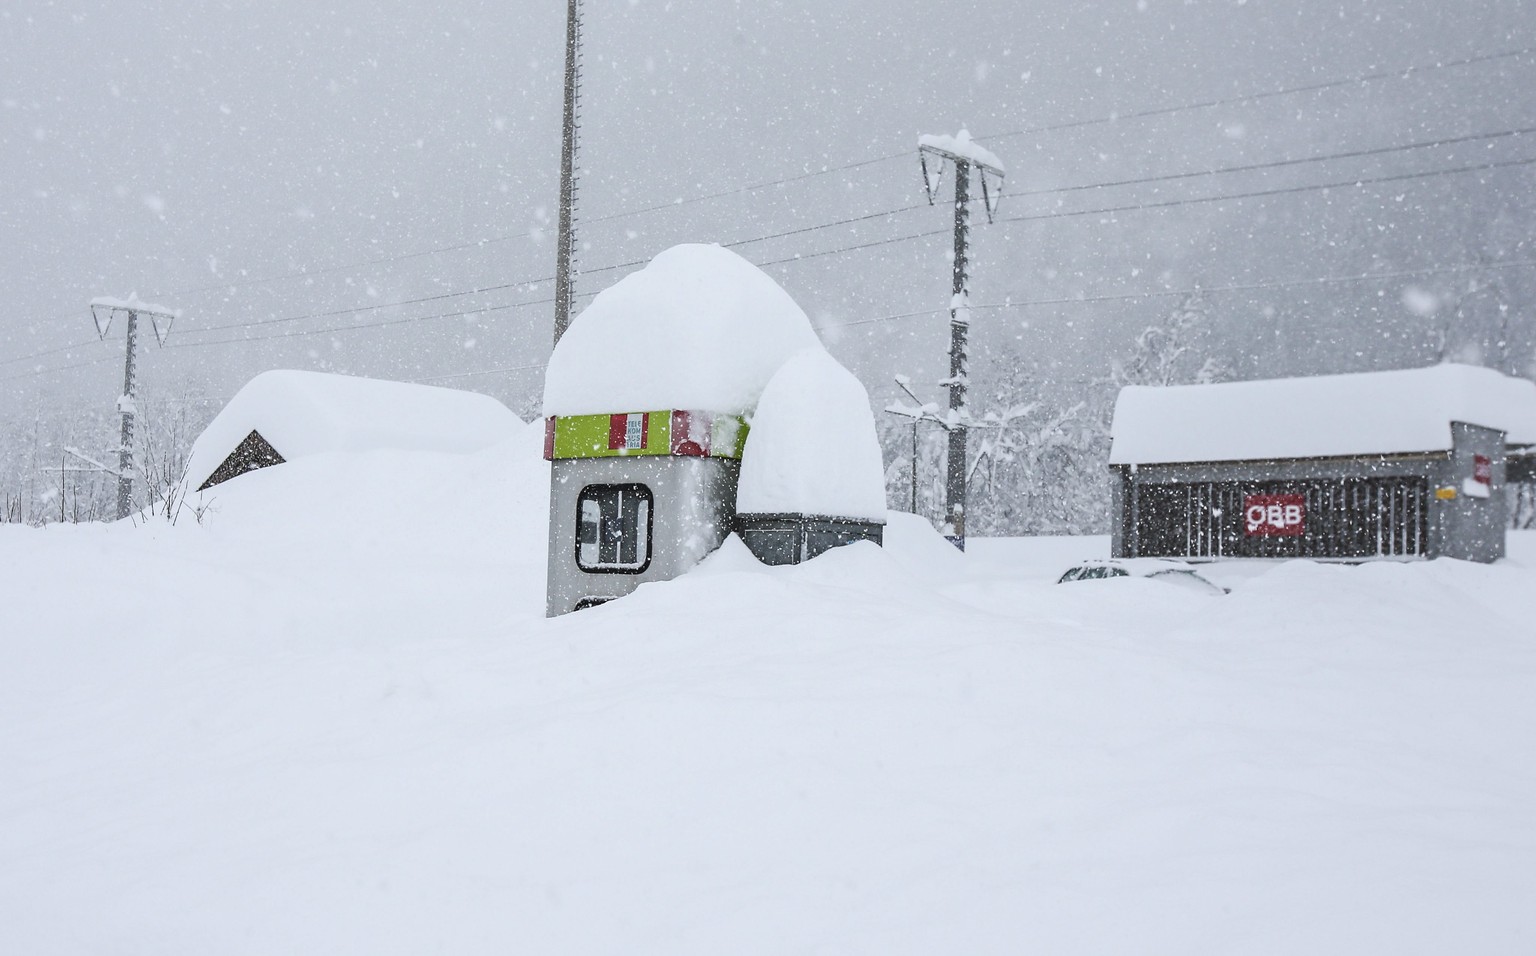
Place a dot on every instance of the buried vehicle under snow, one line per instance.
(1157, 569)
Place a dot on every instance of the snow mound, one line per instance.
(698, 328)
(304, 413)
(916, 545)
(1406, 410)
(813, 447)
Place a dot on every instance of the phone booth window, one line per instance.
(613, 528)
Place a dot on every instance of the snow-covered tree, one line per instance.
(1169, 352)
(1037, 455)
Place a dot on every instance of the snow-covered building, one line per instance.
(1401, 464)
(281, 415)
(647, 401)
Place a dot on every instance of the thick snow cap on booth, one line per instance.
(304, 413)
(1369, 413)
(698, 328)
(813, 449)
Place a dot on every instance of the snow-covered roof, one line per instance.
(698, 328)
(304, 413)
(813, 447)
(1370, 413)
(963, 146)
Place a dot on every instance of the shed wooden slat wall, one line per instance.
(1345, 518)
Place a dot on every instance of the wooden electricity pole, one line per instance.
(566, 239)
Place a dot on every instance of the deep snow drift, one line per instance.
(332, 719)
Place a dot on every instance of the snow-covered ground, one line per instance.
(331, 719)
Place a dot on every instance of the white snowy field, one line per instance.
(332, 719)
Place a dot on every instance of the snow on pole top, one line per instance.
(963, 146)
(698, 328)
(132, 302)
(1370, 413)
(305, 413)
(813, 448)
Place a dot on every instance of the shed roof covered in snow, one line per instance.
(1370, 413)
(813, 449)
(304, 413)
(698, 328)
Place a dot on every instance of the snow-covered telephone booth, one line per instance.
(646, 402)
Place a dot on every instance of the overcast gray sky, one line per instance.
(205, 154)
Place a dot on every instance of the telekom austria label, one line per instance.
(1269, 516)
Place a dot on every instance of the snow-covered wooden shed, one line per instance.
(283, 414)
(647, 400)
(1398, 464)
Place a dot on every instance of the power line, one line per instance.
(65, 368)
(534, 282)
(347, 267)
(365, 308)
(1280, 163)
(754, 187)
(1237, 287)
(1400, 177)
(1363, 78)
(408, 320)
(1071, 300)
(878, 215)
(1281, 191)
(46, 352)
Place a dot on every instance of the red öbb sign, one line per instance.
(1275, 515)
(1482, 469)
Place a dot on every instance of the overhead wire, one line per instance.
(47, 352)
(1028, 303)
(1361, 78)
(1358, 79)
(737, 243)
(1212, 290)
(1351, 154)
(1355, 79)
(1281, 163)
(1479, 167)
(1280, 191)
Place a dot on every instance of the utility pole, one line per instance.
(161, 318)
(566, 239)
(965, 155)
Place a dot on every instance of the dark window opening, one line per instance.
(252, 453)
(613, 528)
